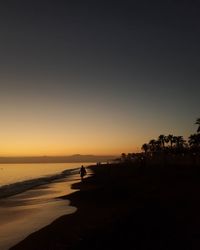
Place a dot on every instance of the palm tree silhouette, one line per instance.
(170, 139)
(179, 141)
(159, 145)
(152, 144)
(145, 147)
(194, 140)
(161, 138)
(198, 123)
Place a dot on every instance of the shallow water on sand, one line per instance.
(12, 173)
(22, 214)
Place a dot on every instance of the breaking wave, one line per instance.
(19, 187)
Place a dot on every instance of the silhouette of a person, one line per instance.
(82, 172)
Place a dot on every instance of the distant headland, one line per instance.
(56, 159)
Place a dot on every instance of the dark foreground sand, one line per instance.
(128, 207)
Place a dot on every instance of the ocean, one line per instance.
(16, 178)
(29, 197)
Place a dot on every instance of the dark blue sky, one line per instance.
(118, 67)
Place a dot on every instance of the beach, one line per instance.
(122, 206)
(125, 207)
(31, 210)
(113, 87)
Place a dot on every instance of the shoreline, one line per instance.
(99, 208)
(29, 211)
(124, 206)
(28, 176)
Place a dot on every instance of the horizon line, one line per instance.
(16, 156)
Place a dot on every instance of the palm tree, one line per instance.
(198, 123)
(145, 147)
(152, 144)
(171, 140)
(194, 140)
(166, 139)
(159, 145)
(161, 138)
(179, 141)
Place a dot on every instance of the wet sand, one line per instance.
(127, 207)
(106, 203)
(25, 213)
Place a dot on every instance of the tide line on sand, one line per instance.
(27, 212)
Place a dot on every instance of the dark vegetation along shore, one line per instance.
(144, 202)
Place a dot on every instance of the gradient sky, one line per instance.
(96, 77)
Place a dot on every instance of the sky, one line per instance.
(96, 77)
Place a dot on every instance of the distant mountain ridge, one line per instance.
(57, 159)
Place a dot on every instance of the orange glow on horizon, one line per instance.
(45, 136)
(32, 146)
(35, 129)
(31, 151)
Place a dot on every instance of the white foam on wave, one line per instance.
(19, 187)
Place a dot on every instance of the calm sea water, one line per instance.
(14, 173)
(25, 209)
